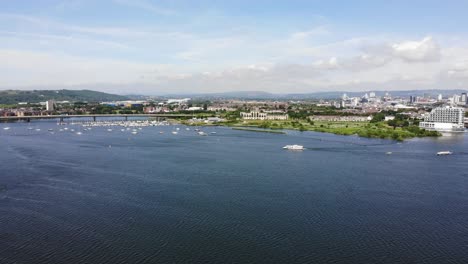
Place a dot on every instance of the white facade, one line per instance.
(255, 115)
(50, 105)
(445, 119)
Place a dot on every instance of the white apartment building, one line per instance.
(256, 115)
(50, 105)
(444, 119)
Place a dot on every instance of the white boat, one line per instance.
(294, 147)
(79, 133)
(177, 129)
(110, 130)
(213, 133)
(134, 132)
(201, 133)
(6, 128)
(174, 132)
(389, 153)
(443, 153)
(160, 132)
(188, 129)
(38, 129)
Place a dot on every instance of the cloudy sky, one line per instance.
(180, 46)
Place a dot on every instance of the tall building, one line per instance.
(439, 97)
(445, 119)
(50, 105)
(463, 99)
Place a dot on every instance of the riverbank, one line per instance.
(259, 130)
(362, 129)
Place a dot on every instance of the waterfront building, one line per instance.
(445, 119)
(335, 118)
(256, 115)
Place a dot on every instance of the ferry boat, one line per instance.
(294, 147)
(443, 153)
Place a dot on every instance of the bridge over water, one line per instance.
(93, 116)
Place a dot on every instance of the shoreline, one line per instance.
(361, 129)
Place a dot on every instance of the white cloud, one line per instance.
(60, 69)
(146, 5)
(425, 50)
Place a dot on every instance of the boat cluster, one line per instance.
(133, 123)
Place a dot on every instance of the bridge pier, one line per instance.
(61, 119)
(94, 118)
(126, 118)
(28, 120)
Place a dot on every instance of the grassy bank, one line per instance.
(362, 129)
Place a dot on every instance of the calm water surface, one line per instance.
(230, 197)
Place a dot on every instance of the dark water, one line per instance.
(232, 197)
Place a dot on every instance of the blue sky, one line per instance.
(172, 46)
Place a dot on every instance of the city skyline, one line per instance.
(141, 46)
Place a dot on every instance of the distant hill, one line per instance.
(316, 95)
(36, 96)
